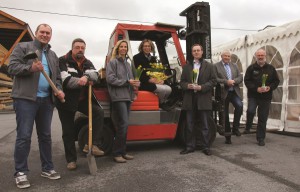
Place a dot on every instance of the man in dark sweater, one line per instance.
(260, 79)
(76, 72)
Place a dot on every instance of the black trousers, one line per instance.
(69, 134)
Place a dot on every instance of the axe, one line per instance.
(33, 55)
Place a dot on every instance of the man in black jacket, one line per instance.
(76, 72)
(261, 80)
(197, 82)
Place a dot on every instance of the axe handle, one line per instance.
(52, 84)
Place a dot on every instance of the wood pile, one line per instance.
(6, 102)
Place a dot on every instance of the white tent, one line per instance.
(282, 45)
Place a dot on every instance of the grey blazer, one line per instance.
(221, 77)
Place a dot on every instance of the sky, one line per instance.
(226, 18)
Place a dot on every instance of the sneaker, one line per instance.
(21, 180)
(128, 157)
(50, 174)
(72, 165)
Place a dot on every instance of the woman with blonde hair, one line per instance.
(121, 86)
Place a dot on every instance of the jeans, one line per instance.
(28, 112)
(263, 107)
(236, 101)
(120, 118)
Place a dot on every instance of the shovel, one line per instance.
(90, 157)
(33, 55)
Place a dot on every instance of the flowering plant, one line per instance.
(264, 79)
(157, 71)
(139, 71)
(194, 76)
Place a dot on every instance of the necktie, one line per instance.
(228, 71)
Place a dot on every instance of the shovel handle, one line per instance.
(90, 117)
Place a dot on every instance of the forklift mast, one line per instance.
(198, 29)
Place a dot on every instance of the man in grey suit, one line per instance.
(197, 82)
(229, 75)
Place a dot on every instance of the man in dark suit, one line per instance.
(229, 75)
(197, 82)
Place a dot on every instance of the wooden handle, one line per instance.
(52, 84)
(90, 117)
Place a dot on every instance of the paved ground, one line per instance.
(242, 166)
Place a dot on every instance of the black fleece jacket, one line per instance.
(253, 80)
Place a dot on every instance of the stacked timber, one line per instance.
(5, 84)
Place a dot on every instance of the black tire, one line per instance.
(106, 142)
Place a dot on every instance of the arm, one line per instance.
(208, 85)
(275, 80)
(238, 77)
(184, 80)
(218, 75)
(249, 82)
(90, 72)
(68, 81)
(19, 66)
(112, 77)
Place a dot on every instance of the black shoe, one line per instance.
(247, 131)
(186, 151)
(261, 143)
(228, 140)
(207, 152)
(236, 132)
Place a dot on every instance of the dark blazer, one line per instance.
(221, 77)
(207, 81)
(140, 59)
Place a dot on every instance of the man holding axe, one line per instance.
(34, 100)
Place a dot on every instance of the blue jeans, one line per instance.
(263, 107)
(120, 118)
(28, 112)
(236, 101)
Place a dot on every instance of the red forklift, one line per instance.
(149, 121)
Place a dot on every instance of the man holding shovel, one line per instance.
(34, 101)
(76, 72)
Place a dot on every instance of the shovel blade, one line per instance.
(92, 163)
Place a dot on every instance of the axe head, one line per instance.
(30, 55)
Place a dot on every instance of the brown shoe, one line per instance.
(128, 157)
(119, 159)
(86, 149)
(96, 151)
(72, 165)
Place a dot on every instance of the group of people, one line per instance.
(34, 98)
(197, 100)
